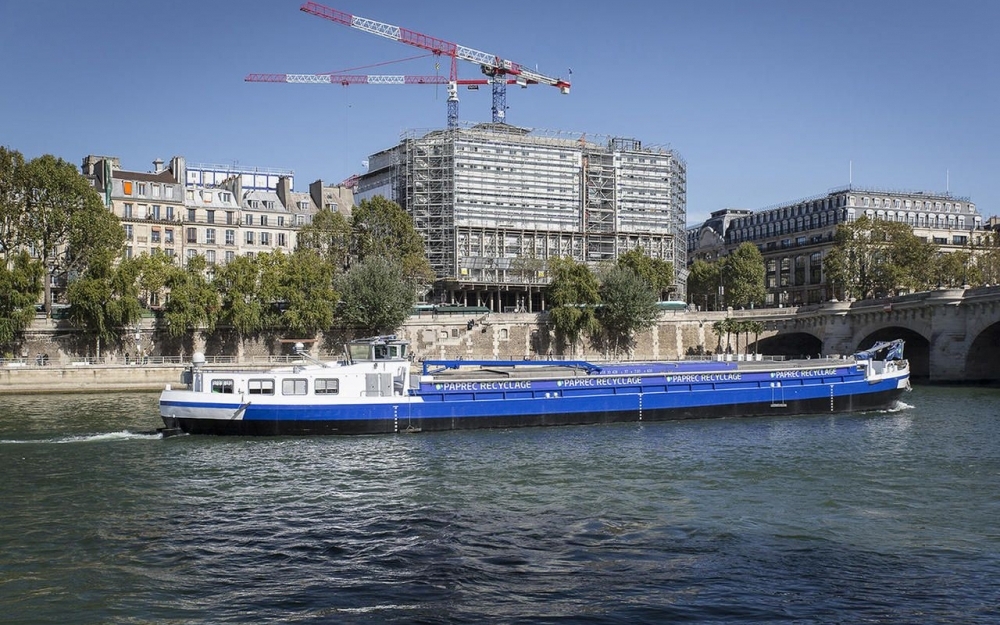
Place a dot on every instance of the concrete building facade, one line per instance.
(795, 237)
(495, 203)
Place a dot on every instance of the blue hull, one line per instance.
(477, 405)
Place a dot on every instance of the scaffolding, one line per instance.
(428, 193)
(495, 203)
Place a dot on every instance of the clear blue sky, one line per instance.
(767, 101)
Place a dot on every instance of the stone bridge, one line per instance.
(952, 335)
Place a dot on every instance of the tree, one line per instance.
(193, 303)
(745, 327)
(12, 198)
(628, 305)
(756, 327)
(329, 235)
(743, 277)
(20, 286)
(987, 257)
(307, 290)
(703, 283)
(95, 235)
(105, 300)
(381, 228)
(657, 272)
(61, 210)
(573, 295)
(875, 258)
(153, 272)
(241, 305)
(720, 327)
(986, 254)
(955, 269)
(375, 296)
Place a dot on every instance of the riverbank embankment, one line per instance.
(88, 378)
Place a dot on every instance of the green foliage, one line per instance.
(987, 258)
(657, 272)
(61, 208)
(95, 235)
(720, 327)
(628, 305)
(731, 328)
(193, 302)
(756, 328)
(955, 269)
(238, 283)
(20, 286)
(573, 295)
(104, 301)
(375, 295)
(329, 235)
(307, 290)
(743, 277)
(876, 258)
(380, 228)
(703, 283)
(152, 274)
(12, 210)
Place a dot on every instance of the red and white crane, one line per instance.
(500, 71)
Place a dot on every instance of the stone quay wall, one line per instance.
(49, 359)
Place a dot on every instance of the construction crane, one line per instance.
(500, 71)
(368, 79)
(382, 79)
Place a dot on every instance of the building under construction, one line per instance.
(495, 202)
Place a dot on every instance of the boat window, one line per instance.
(222, 386)
(294, 387)
(359, 351)
(381, 352)
(327, 387)
(260, 387)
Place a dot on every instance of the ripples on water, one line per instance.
(877, 518)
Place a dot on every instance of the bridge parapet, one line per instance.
(948, 322)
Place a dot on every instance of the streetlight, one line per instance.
(138, 344)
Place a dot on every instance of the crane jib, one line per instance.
(501, 71)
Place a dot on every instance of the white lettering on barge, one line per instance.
(706, 377)
(483, 386)
(575, 382)
(802, 374)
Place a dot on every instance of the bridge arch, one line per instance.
(917, 349)
(981, 362)
(789, 344)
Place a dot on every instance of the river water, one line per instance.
(888, 517)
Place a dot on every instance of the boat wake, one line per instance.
(899, 406)
(88, 438)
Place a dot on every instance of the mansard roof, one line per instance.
(143, 176)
